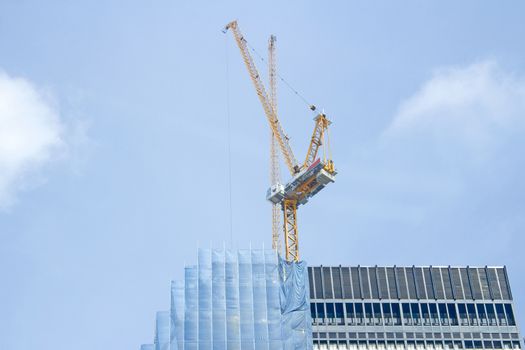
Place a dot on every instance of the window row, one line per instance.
(428, 344)
(483, 283)
(413, 314)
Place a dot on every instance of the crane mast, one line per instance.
(275, 176)
(309, 178)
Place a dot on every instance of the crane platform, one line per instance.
(303, 186)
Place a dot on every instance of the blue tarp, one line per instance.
(237, 300)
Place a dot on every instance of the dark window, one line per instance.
(482, 314)
(378, 319)
(336, 276)
(463, 317)
(491, 314)
(442, 308)
(510, 315)
(407, 318)
(387, 314)
(350, 314)
(312, 311)
(452, 314)
(434, 314)
(501, 315)
(339, 312)
(359, 313)
(416, 315)
(368, 313)
(396, 314)
(426, 314)
(327, 283)
(471, 311)
(330, 312)
(320, 310)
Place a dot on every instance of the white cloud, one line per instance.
(31, 134)
(472, 110)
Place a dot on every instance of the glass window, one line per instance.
(312, 311)
(501, 315)
(378, 318)
(443, 314)
(510, 315)
(339, 313)
(482, 314)
(434, 314)
(311, 281)
(416, 315)
(426, 314)
(396, 314)
(330, 312)
(320, 310)
(452, 314)
(381, 279)
(368, 313)
(387, 314)
(407, 319)
(359, 313)
(471, 311)
(491, 314)
(463, 317)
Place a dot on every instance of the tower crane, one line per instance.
(308, 178)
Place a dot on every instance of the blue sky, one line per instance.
(114, 156)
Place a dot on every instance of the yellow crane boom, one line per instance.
(275, 125)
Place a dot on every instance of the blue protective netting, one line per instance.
(237, 300)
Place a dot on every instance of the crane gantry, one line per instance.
(309, 177)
